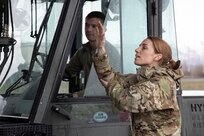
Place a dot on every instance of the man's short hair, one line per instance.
(97, 14)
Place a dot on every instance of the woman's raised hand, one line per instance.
(100, 39)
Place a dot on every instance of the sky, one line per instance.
(189, 18)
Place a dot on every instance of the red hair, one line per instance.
(162, 47)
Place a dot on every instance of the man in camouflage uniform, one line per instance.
(82, 60)
(149, 95)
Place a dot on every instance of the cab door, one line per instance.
(92, 113)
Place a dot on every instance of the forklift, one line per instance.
(38, 38)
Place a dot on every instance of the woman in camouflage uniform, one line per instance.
(149, 95)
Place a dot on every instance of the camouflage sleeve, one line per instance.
(102, 66)
(130, 95)
(142, 97)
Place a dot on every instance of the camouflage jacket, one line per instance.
(150, 96)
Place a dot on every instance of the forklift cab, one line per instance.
(34, 88)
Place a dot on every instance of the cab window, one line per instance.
(124, 34)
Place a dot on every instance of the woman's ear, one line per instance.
(158, 57)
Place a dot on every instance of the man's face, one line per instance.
(90, 28)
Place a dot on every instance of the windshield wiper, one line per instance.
(38, 42)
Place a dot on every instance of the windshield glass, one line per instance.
(32, 26)
(123, 35)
